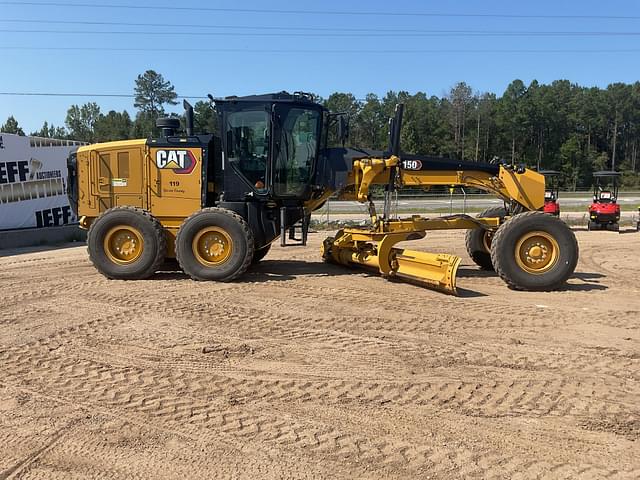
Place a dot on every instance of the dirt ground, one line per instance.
(307, 370)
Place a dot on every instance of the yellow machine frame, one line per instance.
(153, 178)
(354, 245)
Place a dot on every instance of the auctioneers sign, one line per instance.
(33, 182)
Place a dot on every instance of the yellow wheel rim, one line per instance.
(537, 252)
(486, 240)
(123, 244)
(212, 246)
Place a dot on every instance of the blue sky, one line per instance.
(359, 70)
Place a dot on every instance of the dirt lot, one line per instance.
(306, 370)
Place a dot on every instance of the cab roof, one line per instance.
(284, 97)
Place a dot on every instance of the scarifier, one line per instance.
(218, 201)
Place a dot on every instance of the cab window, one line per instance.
(247, 149)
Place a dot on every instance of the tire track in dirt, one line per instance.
(236, 422)
(55, 262)
(18, 469)
(85, 381)
(476, 314)
(346, 335)
(241, 316)
(533, 398)
(104, 453)
(131, 305)
(616, 269)
(338, 337)
(53, 289)
(123, 363)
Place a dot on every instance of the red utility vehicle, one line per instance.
(604, 212)
(552, 189)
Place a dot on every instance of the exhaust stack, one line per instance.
(188, 115)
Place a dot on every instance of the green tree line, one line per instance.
(561, 126)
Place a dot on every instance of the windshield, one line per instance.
(297, 150)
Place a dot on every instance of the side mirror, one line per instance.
(343, 129)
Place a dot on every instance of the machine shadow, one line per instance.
(283, 270)
(270, 271)
(584, 287)
(466, 293)
(461, 292)
(288, 270)
(591, 282)
(586, 276)
(590, 279)
(475, 273)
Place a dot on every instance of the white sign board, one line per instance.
(33, 182)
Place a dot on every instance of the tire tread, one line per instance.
(158, 230)
(482, 259)
(248, 234)
(503, 230)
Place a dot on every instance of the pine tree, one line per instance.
(152, 93)
(11, 126)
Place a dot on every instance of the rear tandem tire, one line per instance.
(126, 243)
(478, 239)
(214, 244)
(534, 251)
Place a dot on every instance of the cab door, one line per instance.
(296, 145)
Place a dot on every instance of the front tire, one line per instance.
(214, 244)
(126, 243)
(534, 251)
(478, 240)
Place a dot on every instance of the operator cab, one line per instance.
(267, 152)
(269, 146)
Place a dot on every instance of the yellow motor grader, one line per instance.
(217, 201)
